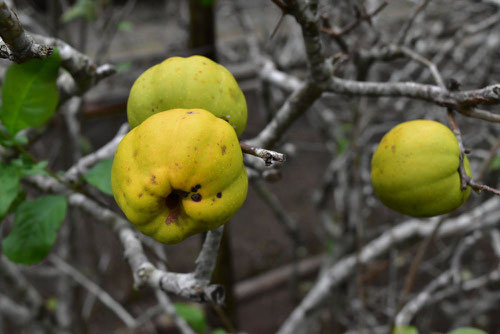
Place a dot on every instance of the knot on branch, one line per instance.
(496, 90)
(214, 293)
(143, 274)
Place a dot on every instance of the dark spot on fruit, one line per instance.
(135, 153)
(393, 149)
(193, 189)
(190, 112)
(219, 195)
(153, 179)
(196, 197)
(198, 186)
(223, 148)
(140, 195)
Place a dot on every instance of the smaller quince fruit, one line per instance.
(193, 82)
(415, 169)
(179, 173)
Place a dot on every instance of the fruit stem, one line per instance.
(464, 178)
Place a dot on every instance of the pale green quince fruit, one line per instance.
(194, 82)
(178, 173)
(415, 169)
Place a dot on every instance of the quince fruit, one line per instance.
(179, 173)
(415, 169)
(194, 82)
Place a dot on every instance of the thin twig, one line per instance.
(103, 296)
(406, 28)
(351, 26)
(267, 155)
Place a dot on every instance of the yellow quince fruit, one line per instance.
(194, 82)
(415, 169)
(179, 173)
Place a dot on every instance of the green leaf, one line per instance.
(495, 163)
(193, 315)
(100, 176)
(342, 145)
(26, 167)
(29, 93)
(123, 66)
(51, 304)
(467, 330)
(125, 26)
(82, 8)
(20, 140)
(35, 229)
(9, 187)
(207, 3)
(405, 330)
(219, 331)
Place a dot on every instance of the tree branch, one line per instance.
(22, 46)
(487, 214)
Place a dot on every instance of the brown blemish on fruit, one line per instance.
(393, 149)
(196, 197)
(193, 189)
(219, 195)
(198, 186)
(153, 179)
(190, 112)
(135, 153)
(172, 217)
(223, 148)
(140, 195)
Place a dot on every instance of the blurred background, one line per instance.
(315, 209)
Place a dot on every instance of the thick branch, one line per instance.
(84, 72)
(22, 46)
(294, 106)
(306, 14)
(462, 101)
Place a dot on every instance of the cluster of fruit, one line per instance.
(180, 170)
